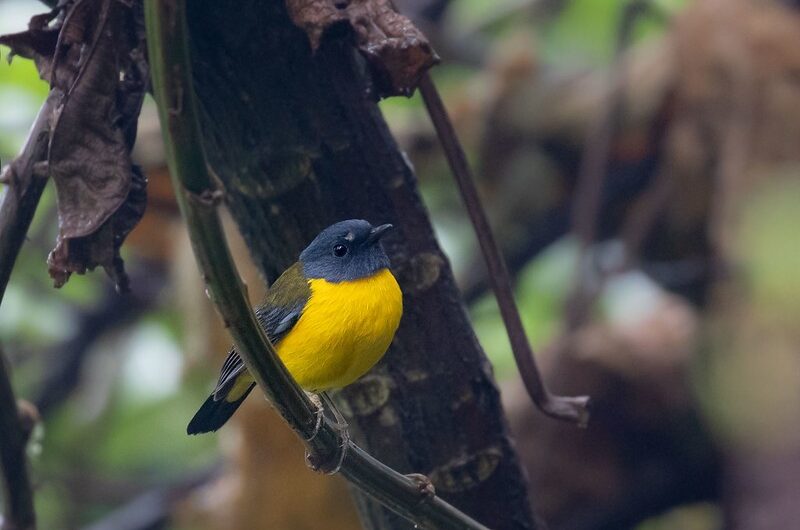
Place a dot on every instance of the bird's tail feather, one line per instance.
(213, 414)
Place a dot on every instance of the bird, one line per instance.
(331, 317)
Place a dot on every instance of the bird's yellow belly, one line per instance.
(344, 330)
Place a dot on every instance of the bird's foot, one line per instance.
(341, 426)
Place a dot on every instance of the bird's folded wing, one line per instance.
(284, 304)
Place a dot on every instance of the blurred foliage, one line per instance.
(752, 365)
(586, 30)
(691, 517)
(769, 223)
(541, 289)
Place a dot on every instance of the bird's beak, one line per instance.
(376, 233)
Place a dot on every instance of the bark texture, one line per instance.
(298, 142)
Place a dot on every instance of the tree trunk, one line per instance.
(298, 142)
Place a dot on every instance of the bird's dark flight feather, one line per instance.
(213, 414)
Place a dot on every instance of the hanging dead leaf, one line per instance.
(37, 43)
(397, 51)
(92, 53)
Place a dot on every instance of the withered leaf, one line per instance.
(100, 194)
(101, 247)
(92, 53)
(397, 51)
(86, 145)
(37, 43)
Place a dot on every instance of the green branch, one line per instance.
(198, 196)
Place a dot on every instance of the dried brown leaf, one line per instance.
(88, 157)
(397, 51)
(92, 52)
(101, 247)
(100, 193)
(37, 43)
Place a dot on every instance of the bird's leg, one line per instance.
(341, 423)
(341, 426)
(342, 452)
(320, 414)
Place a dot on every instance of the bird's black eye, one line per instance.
(339, 250)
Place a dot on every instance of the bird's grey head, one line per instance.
(347, 250)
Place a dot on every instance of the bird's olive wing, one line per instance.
(284, 304)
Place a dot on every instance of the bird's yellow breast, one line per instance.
(345, 328)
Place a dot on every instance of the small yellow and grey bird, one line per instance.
(331, 317)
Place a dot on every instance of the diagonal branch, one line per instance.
(25, 179)
(16, 423)
(198, 197)
(563, 408)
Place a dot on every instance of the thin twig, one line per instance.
(548, 228)
(594, 164)
(16, 424)
(564, 408)
(25, 178)
(198, 197)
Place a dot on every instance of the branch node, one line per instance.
(424, 485)
(575, 409)
(28, 418)
(208, 198)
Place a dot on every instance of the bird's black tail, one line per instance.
(213, 414)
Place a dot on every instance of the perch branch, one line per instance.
(198, 196)
(572, 409)
(16, 423)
